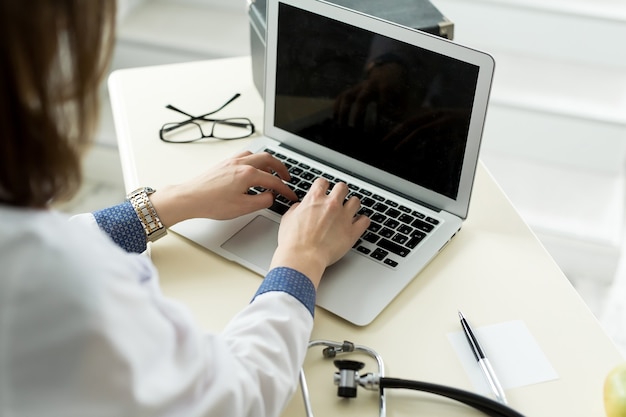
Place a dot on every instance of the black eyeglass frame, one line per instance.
(231, 121)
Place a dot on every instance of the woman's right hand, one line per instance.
(318, 231)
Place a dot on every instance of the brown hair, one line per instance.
(56, 54)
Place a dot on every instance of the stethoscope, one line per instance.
(348, 378)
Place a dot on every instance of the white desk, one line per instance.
(495, 270)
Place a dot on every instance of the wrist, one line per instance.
(169, 202)
(305, 261)
(146, 213)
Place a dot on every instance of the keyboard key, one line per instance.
(281, 198)
(391, 223)
(432, 221)
(405, 229)
(279, 208)
(366, 211)
(378, 218)
(405, 218)
(415, 240)
(399, 238)
(422, 225)
(393, 247)
(379, 254)
(392, 213)
(380, 207)
(364, 250)
(390, 262)
(370, 237)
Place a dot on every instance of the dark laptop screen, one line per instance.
(397, 107)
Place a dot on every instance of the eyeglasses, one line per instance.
(190, 130)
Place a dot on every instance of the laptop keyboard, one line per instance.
(395, 229)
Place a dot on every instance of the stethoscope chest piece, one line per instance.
(347, 377)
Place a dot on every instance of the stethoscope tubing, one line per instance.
(486, 405)
(481, 403)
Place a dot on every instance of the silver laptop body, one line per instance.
(396, 113)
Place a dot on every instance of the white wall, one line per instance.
(555, 137)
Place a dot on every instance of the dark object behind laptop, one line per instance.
(417, 14)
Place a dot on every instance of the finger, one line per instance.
(319, 187)
(339, 191)
(258, 201)
(353, 205)
(266, 162)
(293, 207)
(360, 225)
(242, 154)
(272, 182)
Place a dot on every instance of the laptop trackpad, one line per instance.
(255, 243)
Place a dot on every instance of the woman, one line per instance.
(84, 329)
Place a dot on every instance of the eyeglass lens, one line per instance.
(234, 128)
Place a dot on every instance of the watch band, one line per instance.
(147, 214)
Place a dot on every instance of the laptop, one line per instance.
(395, 113)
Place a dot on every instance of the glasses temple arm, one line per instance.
(192, 118)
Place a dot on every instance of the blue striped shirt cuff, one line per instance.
(292, 282)
(123, 226)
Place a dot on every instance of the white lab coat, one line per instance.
(85, 331)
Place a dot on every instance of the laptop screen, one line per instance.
(389, 104)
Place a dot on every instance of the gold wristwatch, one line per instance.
(147, 214)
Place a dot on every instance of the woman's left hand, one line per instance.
(222, 192)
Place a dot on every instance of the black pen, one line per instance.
(483, 362)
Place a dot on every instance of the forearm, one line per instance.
(250, 369)
(280, 341)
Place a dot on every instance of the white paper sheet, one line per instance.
(515, 356)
